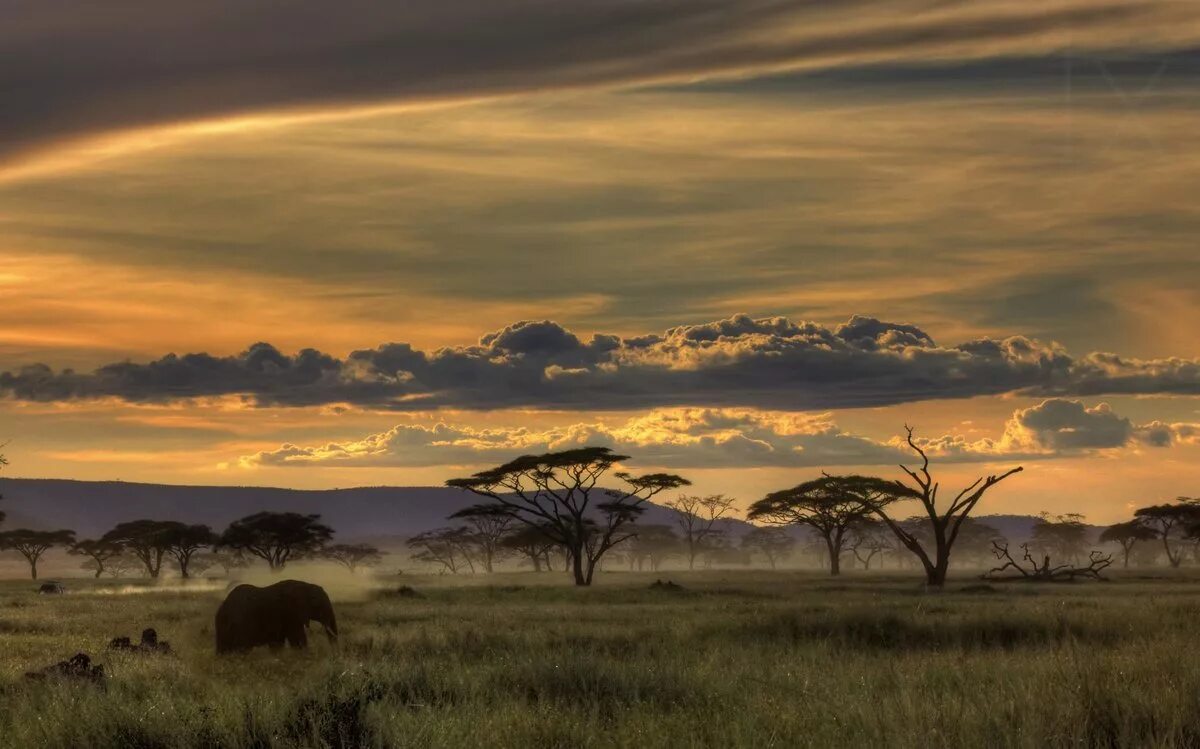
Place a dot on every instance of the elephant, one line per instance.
(251, 616)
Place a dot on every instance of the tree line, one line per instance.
(276, 538)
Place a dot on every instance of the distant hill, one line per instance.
(1019, 527)
(376, 512)
(92, 507)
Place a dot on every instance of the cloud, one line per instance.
(735, 438)
(145, 62)
(683, 437)
(1057, 427)
(765, 363)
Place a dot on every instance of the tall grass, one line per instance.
(736, 659)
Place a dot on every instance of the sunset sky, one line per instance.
(316, 244)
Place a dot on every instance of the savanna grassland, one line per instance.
(525, 660)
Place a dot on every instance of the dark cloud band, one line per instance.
(72, 68)
(768, 363)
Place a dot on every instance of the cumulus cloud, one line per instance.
(766, 363)
(732, 438)
(683, 437)
(145, 62)
(1059, 426)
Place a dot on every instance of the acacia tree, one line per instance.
(353, 556)
(531, 542)
(3, 462)
(775, 544)
(1171, 521)
(944, 522)
(33, 544)
(488, 524)
(184, 541)
(697, 518)
(1062, 536)
(829, 505)
(976, 541)
(449, 547)
(559, 492)
(99, 553)
(652, 544)
(869, 537)
(1127, 534)
(147, 540)
(277, 537)
(230, 559)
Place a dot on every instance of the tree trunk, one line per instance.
(33, 568)
(834, 557)
(577, 566)
(99, 570)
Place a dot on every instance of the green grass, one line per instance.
(737, 659)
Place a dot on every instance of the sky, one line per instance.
(324, 245)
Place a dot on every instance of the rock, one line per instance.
(668, 586)
(77, 668)
(149, 643)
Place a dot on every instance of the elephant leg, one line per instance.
(297, 635)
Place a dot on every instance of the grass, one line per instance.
(736, 659)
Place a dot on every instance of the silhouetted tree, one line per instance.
(32, 544)
(488, 524)
(184, 541)
(277, 537)
(976, 540)
(202, 562)
(3, 462)
(99, 553)
(829, 505)
(558, 491)
(1171, 521)
(146, 540)
(697, 518)
(776, 544)
(652, 545)
(945, 522)
(449, 547)
(353, 556)
(1127, 534)
(1061, 536)
(531, 542)
(869, 537)
(230, 559)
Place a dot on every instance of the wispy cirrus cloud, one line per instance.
(145, 63)
(768, 363)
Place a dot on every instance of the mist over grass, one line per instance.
(734, 658)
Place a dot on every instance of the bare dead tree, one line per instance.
(945, 521)
(1029, 570)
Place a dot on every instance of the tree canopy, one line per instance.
(277, 537)
(147, 540)
(830, 505)
(1127, 534)
(1171, 521)
(353, 556)
(561, 493)
(32, 544)
(99, 553)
